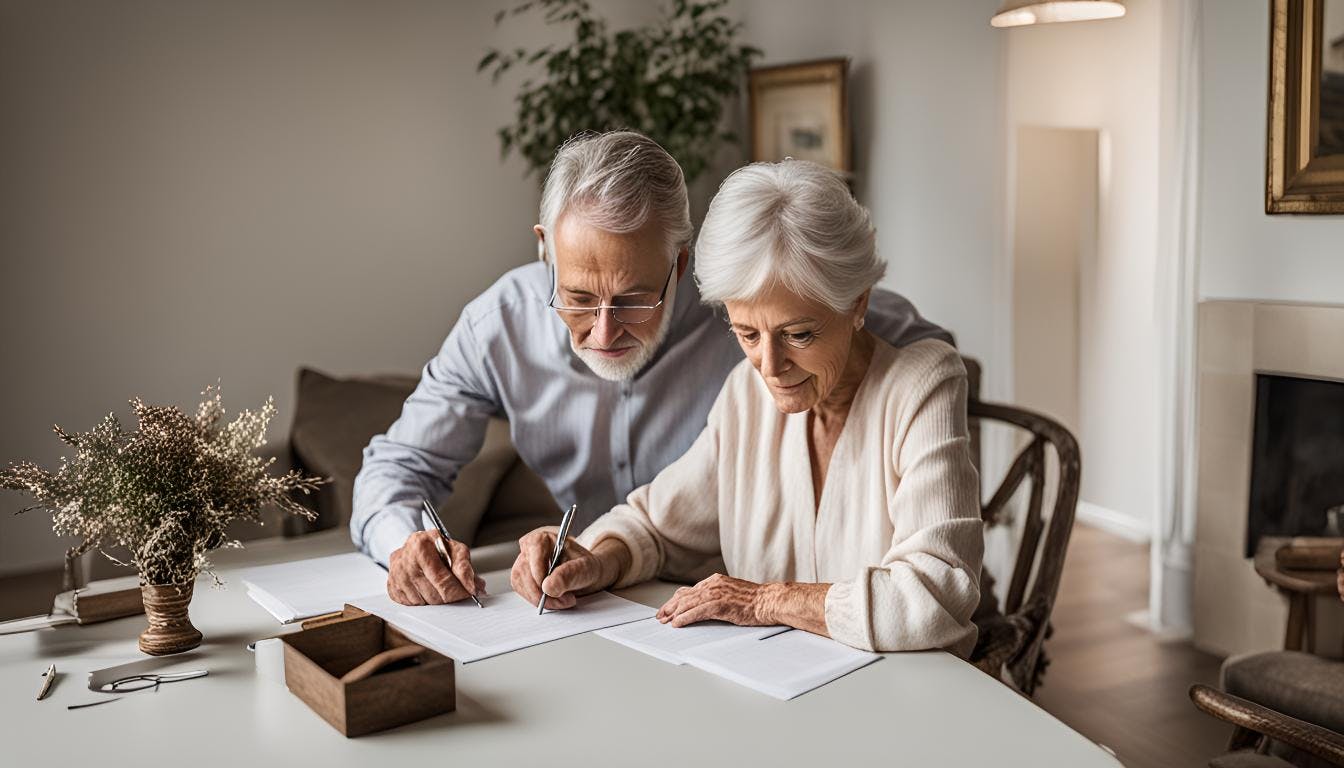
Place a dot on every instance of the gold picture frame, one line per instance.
(801, 111)
(1300, 177)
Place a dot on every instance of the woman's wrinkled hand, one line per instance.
(721, 598)
(579, 573)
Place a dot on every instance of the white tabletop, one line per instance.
(581, 701)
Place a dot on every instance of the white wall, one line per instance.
(926, 114)
(229, 190)
(1243, 253)
(1104, 75)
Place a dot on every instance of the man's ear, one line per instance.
(683, 258)
(541, 242)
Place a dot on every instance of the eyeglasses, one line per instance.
(141, 682)
(625, 314)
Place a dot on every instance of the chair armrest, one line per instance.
(1308, 737)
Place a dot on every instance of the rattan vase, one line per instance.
(170, 630)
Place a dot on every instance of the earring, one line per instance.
(858, 324)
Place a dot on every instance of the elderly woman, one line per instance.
(834, 476)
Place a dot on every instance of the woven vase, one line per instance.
(170, 630)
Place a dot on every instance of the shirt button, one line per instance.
(620, 465)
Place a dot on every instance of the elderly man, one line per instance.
(601, 357)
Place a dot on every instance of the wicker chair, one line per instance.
(1011, 637)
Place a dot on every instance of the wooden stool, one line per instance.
(1300, 586)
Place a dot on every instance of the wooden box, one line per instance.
(317, 658)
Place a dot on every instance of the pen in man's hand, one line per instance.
(442, 545)
(559, 550)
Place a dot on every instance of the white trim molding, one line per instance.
(1125, 526)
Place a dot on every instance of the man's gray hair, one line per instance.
(793, 224)
(616, 181)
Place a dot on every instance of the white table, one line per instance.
(581, 701)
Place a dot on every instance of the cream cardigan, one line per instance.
(897, 532)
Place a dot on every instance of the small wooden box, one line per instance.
(315, 660)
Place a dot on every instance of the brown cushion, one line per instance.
(334, 419)
(521, 503)
(1299, 685)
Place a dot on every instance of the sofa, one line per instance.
(495, 500)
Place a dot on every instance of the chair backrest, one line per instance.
(1043, 557)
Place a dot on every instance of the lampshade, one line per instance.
(1017, 13)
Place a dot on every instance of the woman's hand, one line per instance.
(1339, 576)
(580, 571)
(719, 597)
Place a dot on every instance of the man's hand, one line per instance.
(580, 572)
(417, 574)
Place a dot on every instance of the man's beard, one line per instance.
(632, 362)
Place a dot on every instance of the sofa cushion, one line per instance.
(335, 418)
(521, 503)
(1299, 685)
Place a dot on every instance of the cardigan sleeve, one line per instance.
(922, 594)
(671, 525)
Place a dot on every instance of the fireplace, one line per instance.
(1248, 352)
(1297, 458)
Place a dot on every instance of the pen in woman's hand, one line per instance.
(559, 550)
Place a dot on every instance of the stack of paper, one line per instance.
(506, 623)
(784, 665)
(669, 643)
(306, 588)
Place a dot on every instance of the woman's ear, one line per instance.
(541, 242)
(861, 309)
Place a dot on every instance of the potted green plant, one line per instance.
(668, 81)
(164, 493)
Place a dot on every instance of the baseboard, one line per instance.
(1113, 522)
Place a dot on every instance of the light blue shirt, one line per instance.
(591, 440)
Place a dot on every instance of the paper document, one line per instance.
(506, 623)
(669, 643)
(307, 588)
(784, 665)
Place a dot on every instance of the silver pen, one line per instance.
(47, 678)
(559, 549)
(443, 545)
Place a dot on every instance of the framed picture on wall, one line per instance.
(1305, 157)
(801, 111)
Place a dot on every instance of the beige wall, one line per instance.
(1243, 253)
(1104, 75)
(926, 112)
(1054, 244)
(228, 190)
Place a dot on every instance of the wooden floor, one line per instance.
(1114, 682)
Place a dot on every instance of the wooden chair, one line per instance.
(1287, 707)
(1258, 726)
(1012, 637)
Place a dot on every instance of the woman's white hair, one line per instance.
(793, 224)
(615, 181)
